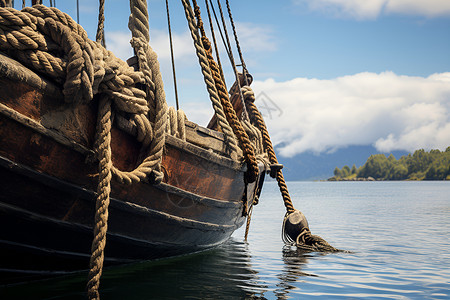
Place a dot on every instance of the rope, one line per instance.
(149, 65)
(171, 55)
(100, 37)
(233, 65)
(241, 57)
(305, 240)
(102, 202)
(207, 76)
(176, 123)
(247, 148)
(55, 45)
(215, 42)
(258, 120)
(5, 3)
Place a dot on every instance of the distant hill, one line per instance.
(421, 165)
(310, 166)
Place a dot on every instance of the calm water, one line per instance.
(398, 232)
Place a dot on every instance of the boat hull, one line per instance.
(48, 176)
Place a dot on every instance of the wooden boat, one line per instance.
(49, 175)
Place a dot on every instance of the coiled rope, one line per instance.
(51, 43)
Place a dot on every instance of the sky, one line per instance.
(328, 74)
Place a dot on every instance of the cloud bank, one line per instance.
(370, 9)
(389, 111)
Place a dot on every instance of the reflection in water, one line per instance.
(394, 267)
(222, 273)
(294, 259)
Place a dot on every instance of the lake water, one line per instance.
(398, 234)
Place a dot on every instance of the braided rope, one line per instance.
(230, 113)
(176, 124)
(100, 37)
(55, 45)
(209, 80)
(258, 120)
(305, 240)
(102, 202)
(52, 43)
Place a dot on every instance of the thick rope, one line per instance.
(233, 65)
(230, 140)
(230, 113)
(52, 43)
(100, 37)
(58, 47)
(258, 120)
(305, 240)
(5, 3)
(102, 202)
(215, 42)
(176, 123)
(156, 98)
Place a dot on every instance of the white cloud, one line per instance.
(429, 8)
(370, 9)
(389, 111)
(255, 38)
(119, 43)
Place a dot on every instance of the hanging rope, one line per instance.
(215, 42)
(156, 99)
(238, 46)
(100, 37)
(233, 65)
(51, 43)
(102, 202)
(171, 55)
(246, 146)
(230, 140)
(299, 232)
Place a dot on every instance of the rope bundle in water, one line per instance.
(296, 232)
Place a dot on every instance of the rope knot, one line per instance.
(248, 93)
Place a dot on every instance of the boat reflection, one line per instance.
(226, 272)
(222, 273)
(294, 260)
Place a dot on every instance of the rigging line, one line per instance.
(215, 42)
(78, 11)
(100, 37)
(233, 65)
(172, 56)
(220, 29)
(241, 57)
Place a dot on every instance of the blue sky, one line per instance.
(328, 73)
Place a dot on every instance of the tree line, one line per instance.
(422, 165)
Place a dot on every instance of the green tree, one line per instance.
(433, 165)
(345, 171)
(337, 172)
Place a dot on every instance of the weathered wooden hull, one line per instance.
(48, 176)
